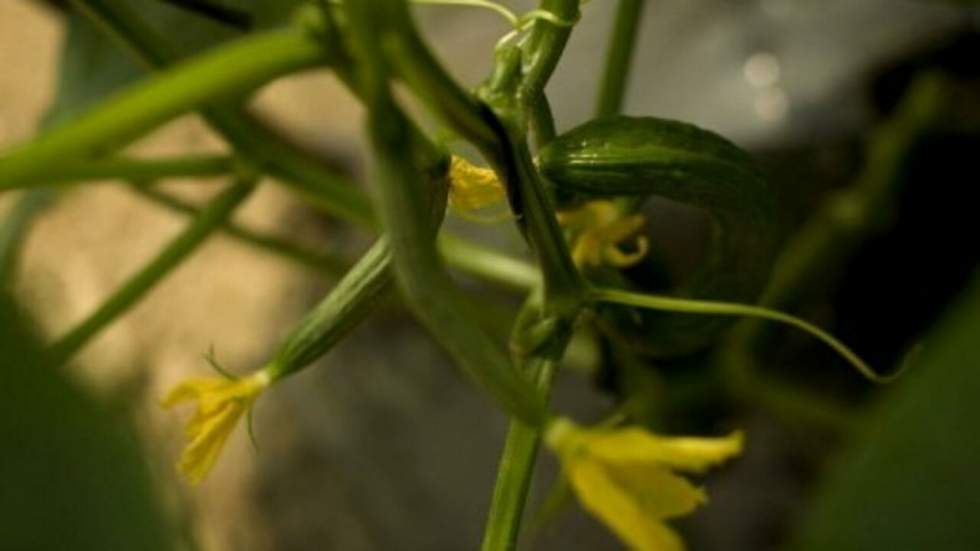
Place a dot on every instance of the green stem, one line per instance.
(476, 260)
(228, 71)
(211, 218)
(324, 263)
(406, 202)
(323, 187)
(563, 285)
(504, 147)
(498, 135)
(126, 169)
(519, 455)
(515, 104)
(619, 57)
(515, 471)
(488, 264)
(543, 122)
(544, 48)
(423, 73)
(563, 288)
(305, 173)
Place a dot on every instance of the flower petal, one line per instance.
(189, 390)
(635, 445)
(617, 257)
(622, 228)
(616, 507)
(657, 492)
(205, 447)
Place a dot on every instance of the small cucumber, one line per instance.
(640, 157)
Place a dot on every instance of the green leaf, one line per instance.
(72, 475)
(91, 67)
(910, 482)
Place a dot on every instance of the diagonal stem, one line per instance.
(210, 219)
(228, 70)
(328, 264)
(127, 169)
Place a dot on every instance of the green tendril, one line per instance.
(512, 19)
(250, 429)
(212, 360)
(704, 307)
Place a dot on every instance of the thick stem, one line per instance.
(406, 202)
(544, 48)
(563, 285)
(563, 288)
(517, 461)
(515, 471)
(543, 122)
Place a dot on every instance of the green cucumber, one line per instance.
(642, 157)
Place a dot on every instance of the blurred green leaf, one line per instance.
(93, 65)
(71, 472)
(911, 480)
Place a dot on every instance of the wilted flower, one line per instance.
(598, 228)
(472, 188)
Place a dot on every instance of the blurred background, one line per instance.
(382, 445)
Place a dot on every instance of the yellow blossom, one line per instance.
(472, 188)
(220, 404)
(626, 478)
(598, 228)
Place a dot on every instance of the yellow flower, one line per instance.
(625, 477)
(472, 188)
(220, 404)
(598, 228)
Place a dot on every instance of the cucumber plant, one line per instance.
(576, 197)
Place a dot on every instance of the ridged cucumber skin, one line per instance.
(648, 156)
